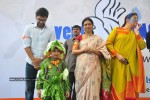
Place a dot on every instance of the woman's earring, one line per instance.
(94, 27)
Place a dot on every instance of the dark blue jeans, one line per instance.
(72, 89)
(30, 74)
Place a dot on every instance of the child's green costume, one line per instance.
(53, 76)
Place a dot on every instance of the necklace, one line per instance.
(54, 62)
(88, 35)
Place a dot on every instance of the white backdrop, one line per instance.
(15, 14)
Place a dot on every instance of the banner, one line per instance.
(63, 14)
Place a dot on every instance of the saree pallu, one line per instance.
(106, 78)
(88, 69)
(127, 80)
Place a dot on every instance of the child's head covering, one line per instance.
(55, 44)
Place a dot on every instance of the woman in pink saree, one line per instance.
(88, 48)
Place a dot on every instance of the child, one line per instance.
(52, 82)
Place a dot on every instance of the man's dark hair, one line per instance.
(76, 26)
(42, 12)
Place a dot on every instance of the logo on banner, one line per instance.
(107, 14)
(106, 17)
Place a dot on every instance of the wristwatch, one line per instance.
(42, 58)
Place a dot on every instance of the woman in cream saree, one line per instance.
(88, 48)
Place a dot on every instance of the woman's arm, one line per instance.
(141, 43)
(75, 49)
(95, 51)
(77, 52)
(110, 42)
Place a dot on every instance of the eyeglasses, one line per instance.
(41, 20)
(133, 20)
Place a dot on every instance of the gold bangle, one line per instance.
(75, 47)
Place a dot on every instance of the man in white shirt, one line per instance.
(35, 39)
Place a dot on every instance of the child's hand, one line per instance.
(39, 93)
(67, 94)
